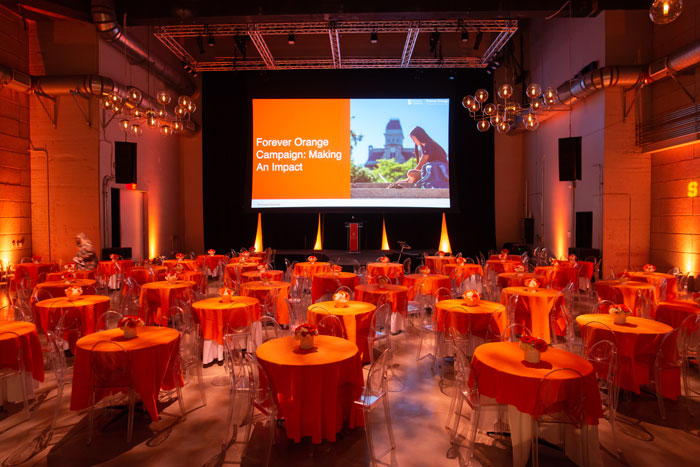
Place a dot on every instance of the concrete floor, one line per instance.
(418, 411)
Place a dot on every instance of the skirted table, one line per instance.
(88, 309)
(499, 266)
(234, 271)
(217, 318)
(395, 294)
(356, 319)
(482, 317)
(558, 277)
(626, 292)
(308, 269)
(157, 298)
(212, 262)
(260, 290)
(151, 359)
(109, 268)
(77, 274)
(186, 264)
(58, 288)
(516, 279)
(674, 312)
(32, 271)
(142, 274)
(329, 281)
(533, 308)
(254, 275)
(657, 278)
(437, 263)
(460, 272)
(392, 271)
(502, 374)
(637, 344)
(427, 284)
(315, 389)
(22, 335)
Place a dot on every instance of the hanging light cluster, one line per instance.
(132, 121)
(503, 115)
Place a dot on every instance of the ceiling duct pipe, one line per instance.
(104, 17)
(583, 86)
(14, 79)
(675, 62)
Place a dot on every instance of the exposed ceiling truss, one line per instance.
(174, 37)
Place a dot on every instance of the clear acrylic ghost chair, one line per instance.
(603, 356)
(297, 312)
(559, 317)
(190, 356)
(512, 307)
(601, 307)
(14, 352)
(427, 327)
(375, 391)
(379, 335)
(270, 328)
(108, 320)
(331, 325)
(42, 294)
(345, 288)
(642, 306)
(14, 313)
(514, 332)
(69, 327)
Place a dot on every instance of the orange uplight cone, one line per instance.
(385, 239)
(258, 236)
(444, 239)
(319, 243)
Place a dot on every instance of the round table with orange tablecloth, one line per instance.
(392, 271)
(187, 264)
(516, 279)
(428, 283)
(674, 312)
(26, 338)
(657, 278)
(483, 316)
(32, 271)
(142, 274)
(195, 276)
(501, 373)
(586, 269)
(77, 274)
(212, 261)
(459, 272)
(356, 319)
(517, 258)
(499, 266)
(307, 269)
(626, 292)
(88, 307)
(315, 389)
(261, 290)
(637, 344)
(254, 275)
(232, 270)
(533, 308)
(151, 355)
(438, 263)
(217, 318)
(109, 268)
(558, 277)
(157, 297)
(329, 281)
(395, 294)
(57, 288)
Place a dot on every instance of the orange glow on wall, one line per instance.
(152, 238)
(444, 238)
(561, 220)
(258, 235)
(319, 242)
(385, 239)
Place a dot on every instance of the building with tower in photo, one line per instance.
(393, 146)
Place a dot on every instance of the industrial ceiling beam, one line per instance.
(410, 43)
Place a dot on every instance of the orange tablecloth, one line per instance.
(58, 288)
(232, 268)
(516, 279)
(304, 268)
(89, 307)
(32, 270)
(249, 259)
(396, 295)
(518, 258)
(461, 271)
(637, 343)
(626, 292)
(77, 274)
(187, 264)
(194, 276)
(558, 277)
(656, 278)
(430, 284)
(482, 315)
(212, 261)
(157, 298)
(315, 390)
(585, 269)
(438, 263)
(108, 268)
(504, 375)
(392, 271)
(215, 317)
(356, 318)
(499, 266)
(674, 312)
(142, 274)
(328, 282)
(254, 275)
(533, 308)
(151, 356)
(28, 339)
(260, 290)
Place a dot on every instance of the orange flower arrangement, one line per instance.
(114, 257)
(384, 259)
(505, 251)
(619, 312)
(441, 253)
(532, 283)
(211, 252)
(171, 277)
(649, 268)
(37, 259)
(337, 269)
(341, 298)
(572, 258)
(528, 342)
(424, 270)
(225, 293)
(471, 297)
(70, 267)
(129, 324)
(461, 260)
(305, 334)
(68, 277)
(73, 292)
(503, 256)
(180, 256)
(312, 259)
(519, 269)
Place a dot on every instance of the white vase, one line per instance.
(532, 355)
(620, 318)
(306, 342)
(130, 333)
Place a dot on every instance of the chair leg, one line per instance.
(388, 422)
(59, 399)
(130, 423)
(23, 385)
(370, 440)
(453, 402)
(200, 380)
(476, 416)
(180, 401)
(457, 414)
(535, 444)
(659, 396)
(91, 417)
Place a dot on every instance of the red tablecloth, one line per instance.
(89, 308)
(28, 339)
(32, 270)
(212, 261)
(558, 277)
(517, 258)
(307, 269)
(107, 268)
(232, 268)
(392, 271)
(533, 308)
(216, 317)
(396, 295)
(438, 263)
(328, 282)
(260, 290)
(674, 312)
(142, 274)
(157, 298)
(461, 271)
(254, 275)
(516, 279)
(430, 283)
(626, 292)
(151, 356)
(356, 319)
(58, 288)
(315, 390)
(482, 316)
(77, 274)
(656, 278)
(187, 264)
(499, 266)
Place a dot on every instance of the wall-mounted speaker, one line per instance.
(570, 158)
(584, 229)
(124, 162)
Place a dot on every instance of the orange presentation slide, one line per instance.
(301, 149)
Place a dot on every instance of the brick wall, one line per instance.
(15, 212)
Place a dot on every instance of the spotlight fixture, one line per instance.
(465, 36)
(373, 38)
(210, 41)
(477, 41)
(290, 39)
(665, 11)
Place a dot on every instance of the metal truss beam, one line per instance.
(500, 40)
(335, 46)
(410, 43)
(262, 48)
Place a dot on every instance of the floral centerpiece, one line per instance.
(384, 259)
(532, 347)
(619, 312)
(211, 252)
(129, 324)
(179, 268)
(36, 259)
(624, 277)
(312, 259)
(649, 268)
(245, 254)
(225, 293)
(425, 270)
(382, 281)
(461, 260)
(68, 277)
(441, 253)
(505, 251)
(503, 256)
(242, 259)
(519, 269)
(171, 277)
(74, 292)
(341, 298)
(114, 257)
(555, 264)
(261, 268)
(337, 269)
(265, 277)
(531, 283)
(70, 267)
(471, 297)
(179, 257)
(572, 258)
(305, 333)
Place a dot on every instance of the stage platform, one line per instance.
(345, 258)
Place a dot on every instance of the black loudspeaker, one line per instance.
(570, 158)
(584, 229)
(124, 162)
(529, 230)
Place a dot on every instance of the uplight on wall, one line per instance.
(692, 189)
